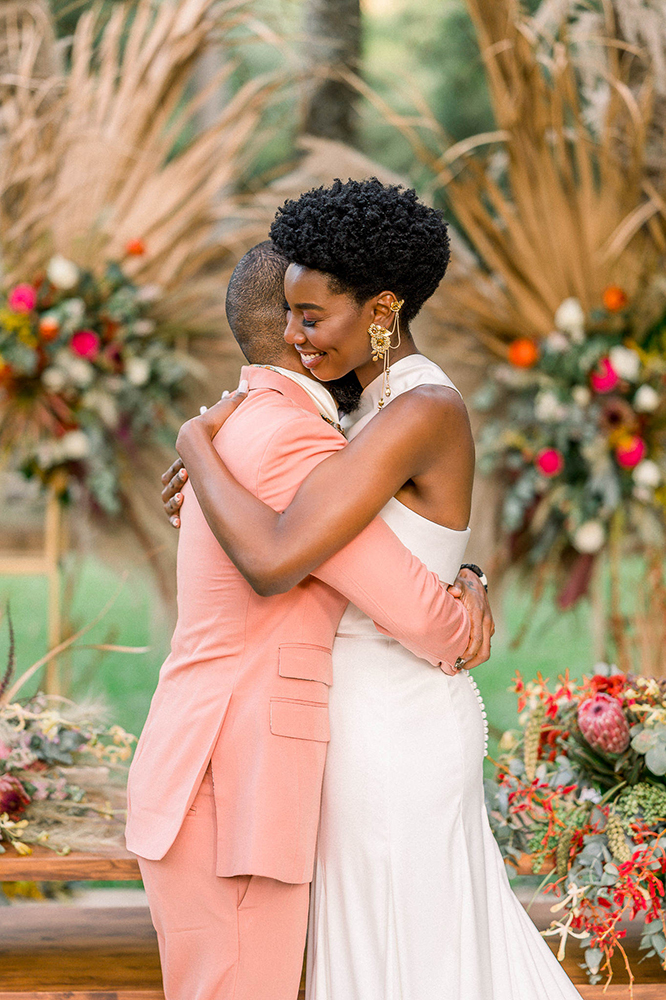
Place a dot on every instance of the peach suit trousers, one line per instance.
(239, 938)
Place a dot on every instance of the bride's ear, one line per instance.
(382, 312)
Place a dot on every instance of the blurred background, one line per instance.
(146, 145)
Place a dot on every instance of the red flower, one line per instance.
(136, 248)
(13, 796)
(523, 353)
(85, 343)
(614, 298)
(605, 378)
(549, 462)
(22, 298)
(630, 451)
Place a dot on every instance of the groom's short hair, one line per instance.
(257, 315)
(255, 304)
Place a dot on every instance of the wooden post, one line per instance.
(52, 554)
(47, 564)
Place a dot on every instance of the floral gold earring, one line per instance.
(380, 341)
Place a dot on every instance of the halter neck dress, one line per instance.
(410, 898)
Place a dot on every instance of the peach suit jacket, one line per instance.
(245, 685)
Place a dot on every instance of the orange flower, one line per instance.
(136, 248)
(614, 298)
(523, 353)
(48, 328)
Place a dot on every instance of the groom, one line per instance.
(224, 788)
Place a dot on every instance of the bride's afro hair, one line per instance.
(368, 237)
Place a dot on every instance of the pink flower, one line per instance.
(22, 298)
(605, 378)
(13, 796)
(550, 462)
(603, 723)
(5, 750)
(630, 451)
(85, 343)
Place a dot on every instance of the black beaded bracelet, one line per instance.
(479, 572)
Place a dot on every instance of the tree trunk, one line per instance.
(333, 36)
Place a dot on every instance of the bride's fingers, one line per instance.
(171, 471)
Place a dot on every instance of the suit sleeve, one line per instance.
(375, 571)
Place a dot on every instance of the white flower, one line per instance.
(646, 399)
(61, 272)
(103, 404)
(581, 395)
(548, 408)
(48, 453)
(627, 363)
(54, 379)
(589, 795)
(557, 342)
(81, 372)
(589, 537)
(137, 371)
(148, 293)
(570, 319)
(647, 473)
(143, 327)
(75, 445)
(74, 310)
(508, 741)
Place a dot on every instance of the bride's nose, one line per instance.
(294, 334)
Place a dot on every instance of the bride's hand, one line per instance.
(173, 481)
(214, 418)
(469, 589)
(208, 422)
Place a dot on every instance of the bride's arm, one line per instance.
(275, 551)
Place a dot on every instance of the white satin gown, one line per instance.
(410, 899)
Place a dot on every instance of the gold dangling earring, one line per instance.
(380, 341)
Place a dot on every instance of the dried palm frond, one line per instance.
(551, 207)
(108, 151)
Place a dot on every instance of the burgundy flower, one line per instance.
(13, 796)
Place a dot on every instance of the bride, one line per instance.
(410, 899)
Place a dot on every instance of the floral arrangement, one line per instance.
(580, 438)
(84, 375)
(582, 790)
(50, 749)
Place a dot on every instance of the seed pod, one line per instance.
(533, 740)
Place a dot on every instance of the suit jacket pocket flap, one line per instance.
(306, 662)
(301, 720)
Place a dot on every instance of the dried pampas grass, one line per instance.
(109, 150)
(550, 205)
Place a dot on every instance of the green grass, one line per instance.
(553, 642)
(124, 681)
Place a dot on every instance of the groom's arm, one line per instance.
(375, 571)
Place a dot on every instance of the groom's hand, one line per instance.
(469, 589)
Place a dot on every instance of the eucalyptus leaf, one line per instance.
(655, 758)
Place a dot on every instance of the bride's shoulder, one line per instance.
(429, 407)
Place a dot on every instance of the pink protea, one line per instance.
(13, 796)
(603, 724)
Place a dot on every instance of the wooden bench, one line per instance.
(64, 952)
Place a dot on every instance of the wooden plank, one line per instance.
(44, 865)
(88, 995)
